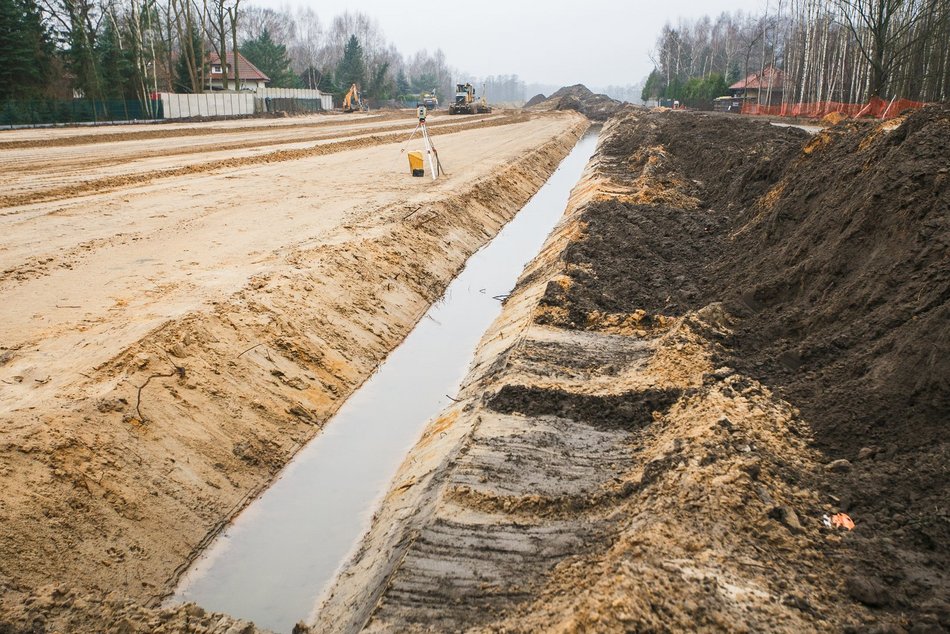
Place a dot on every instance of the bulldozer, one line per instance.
(353, 100)
(465, 102)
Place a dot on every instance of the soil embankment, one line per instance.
(185, 337)
(580, 98)
(737, 331)
(538, 98)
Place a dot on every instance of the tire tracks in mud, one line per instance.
(110, 183)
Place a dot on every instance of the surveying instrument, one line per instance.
(435, 166)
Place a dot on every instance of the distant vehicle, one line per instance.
(465, 102)
(353, 101)
(429, 100)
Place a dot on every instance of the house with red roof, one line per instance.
(764, 88)
(249, 75)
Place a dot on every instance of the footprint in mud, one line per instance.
(115, 554)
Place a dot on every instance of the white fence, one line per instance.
(300, 94)
(233, 104)
(207, 104)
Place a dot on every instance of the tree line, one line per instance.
(128, 49)
(826, 50)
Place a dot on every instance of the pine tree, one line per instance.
(425, 82)
(26, 50)
(381, 85)
(653, 88)
(81, 55)
(271, 58)
(402, 83)
(327, 84)
(115, 68)
(352, 68)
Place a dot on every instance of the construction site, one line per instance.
(603, 368)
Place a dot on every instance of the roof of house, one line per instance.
(770, 78)
(247, 70)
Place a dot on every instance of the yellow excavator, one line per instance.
(465, 102)
(353, 101)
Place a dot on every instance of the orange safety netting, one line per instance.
(876, 107)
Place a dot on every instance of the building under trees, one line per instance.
(826, 50)
(127, 50)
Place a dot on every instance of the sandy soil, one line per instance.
(168, 342)
(85, 134)
(139, 158)
(714, 352)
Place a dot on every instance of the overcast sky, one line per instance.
(562, 42)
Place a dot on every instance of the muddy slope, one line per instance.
(849, 315)
(851, 284)
(834, 262)
(649, 438)
(111, 494)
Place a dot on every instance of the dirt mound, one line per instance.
(851, 282)
(578, 97)
(608, 477)
(651, 247)
(846, 305)
(723, 162)
(830, 254)
(579, 91)
(538, 98)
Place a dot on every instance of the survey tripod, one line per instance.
(435, 167)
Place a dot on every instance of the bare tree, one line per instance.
(254, 20)
(233, 14)
(304, 48)
(890, 27)
(828, 50)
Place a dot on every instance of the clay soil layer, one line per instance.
(736, 333)
(182, 307)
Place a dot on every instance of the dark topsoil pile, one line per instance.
(538, 98)
(833, 254)
(580, 98)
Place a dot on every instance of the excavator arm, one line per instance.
(353, 100)
(348, 99)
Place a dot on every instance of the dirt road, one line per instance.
(182, 310)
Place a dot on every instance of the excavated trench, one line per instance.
(271, 564)
(657, 432)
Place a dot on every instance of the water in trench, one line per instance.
(271, 563)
